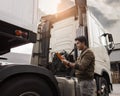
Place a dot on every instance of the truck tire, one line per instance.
(104, 87)
(25, 85)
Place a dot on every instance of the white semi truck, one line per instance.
(18, 24)
(56, 33)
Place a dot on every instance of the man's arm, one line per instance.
(86, 60)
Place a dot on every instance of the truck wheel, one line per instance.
(104, 88)
(25, 85)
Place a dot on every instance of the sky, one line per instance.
(25, 49)
(48, 6)
(106, 11)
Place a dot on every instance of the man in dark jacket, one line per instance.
(84, 67)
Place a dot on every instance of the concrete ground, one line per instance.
(116, 90)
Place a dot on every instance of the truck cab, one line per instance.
(47, 76)
(57, 33)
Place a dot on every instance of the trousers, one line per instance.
(87, 88)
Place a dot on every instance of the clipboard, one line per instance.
(59, 56)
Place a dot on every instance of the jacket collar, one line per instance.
(84, 51)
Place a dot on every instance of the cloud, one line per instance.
(102, 18)
(65, 4)
(110, 8)
(115, 2)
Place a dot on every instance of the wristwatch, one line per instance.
(68, 64)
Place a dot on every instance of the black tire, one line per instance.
(104, 87)
(25, 85)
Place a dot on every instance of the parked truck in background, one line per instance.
(16, 16)
(56, 33)
(18, 24)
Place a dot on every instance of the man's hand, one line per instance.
(67, 63)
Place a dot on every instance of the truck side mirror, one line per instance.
(110, 38)
(109, 42)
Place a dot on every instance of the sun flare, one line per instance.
(48, 6)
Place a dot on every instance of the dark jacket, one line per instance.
(85, 65)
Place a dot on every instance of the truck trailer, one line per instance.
(18, 26)
(47, 76)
